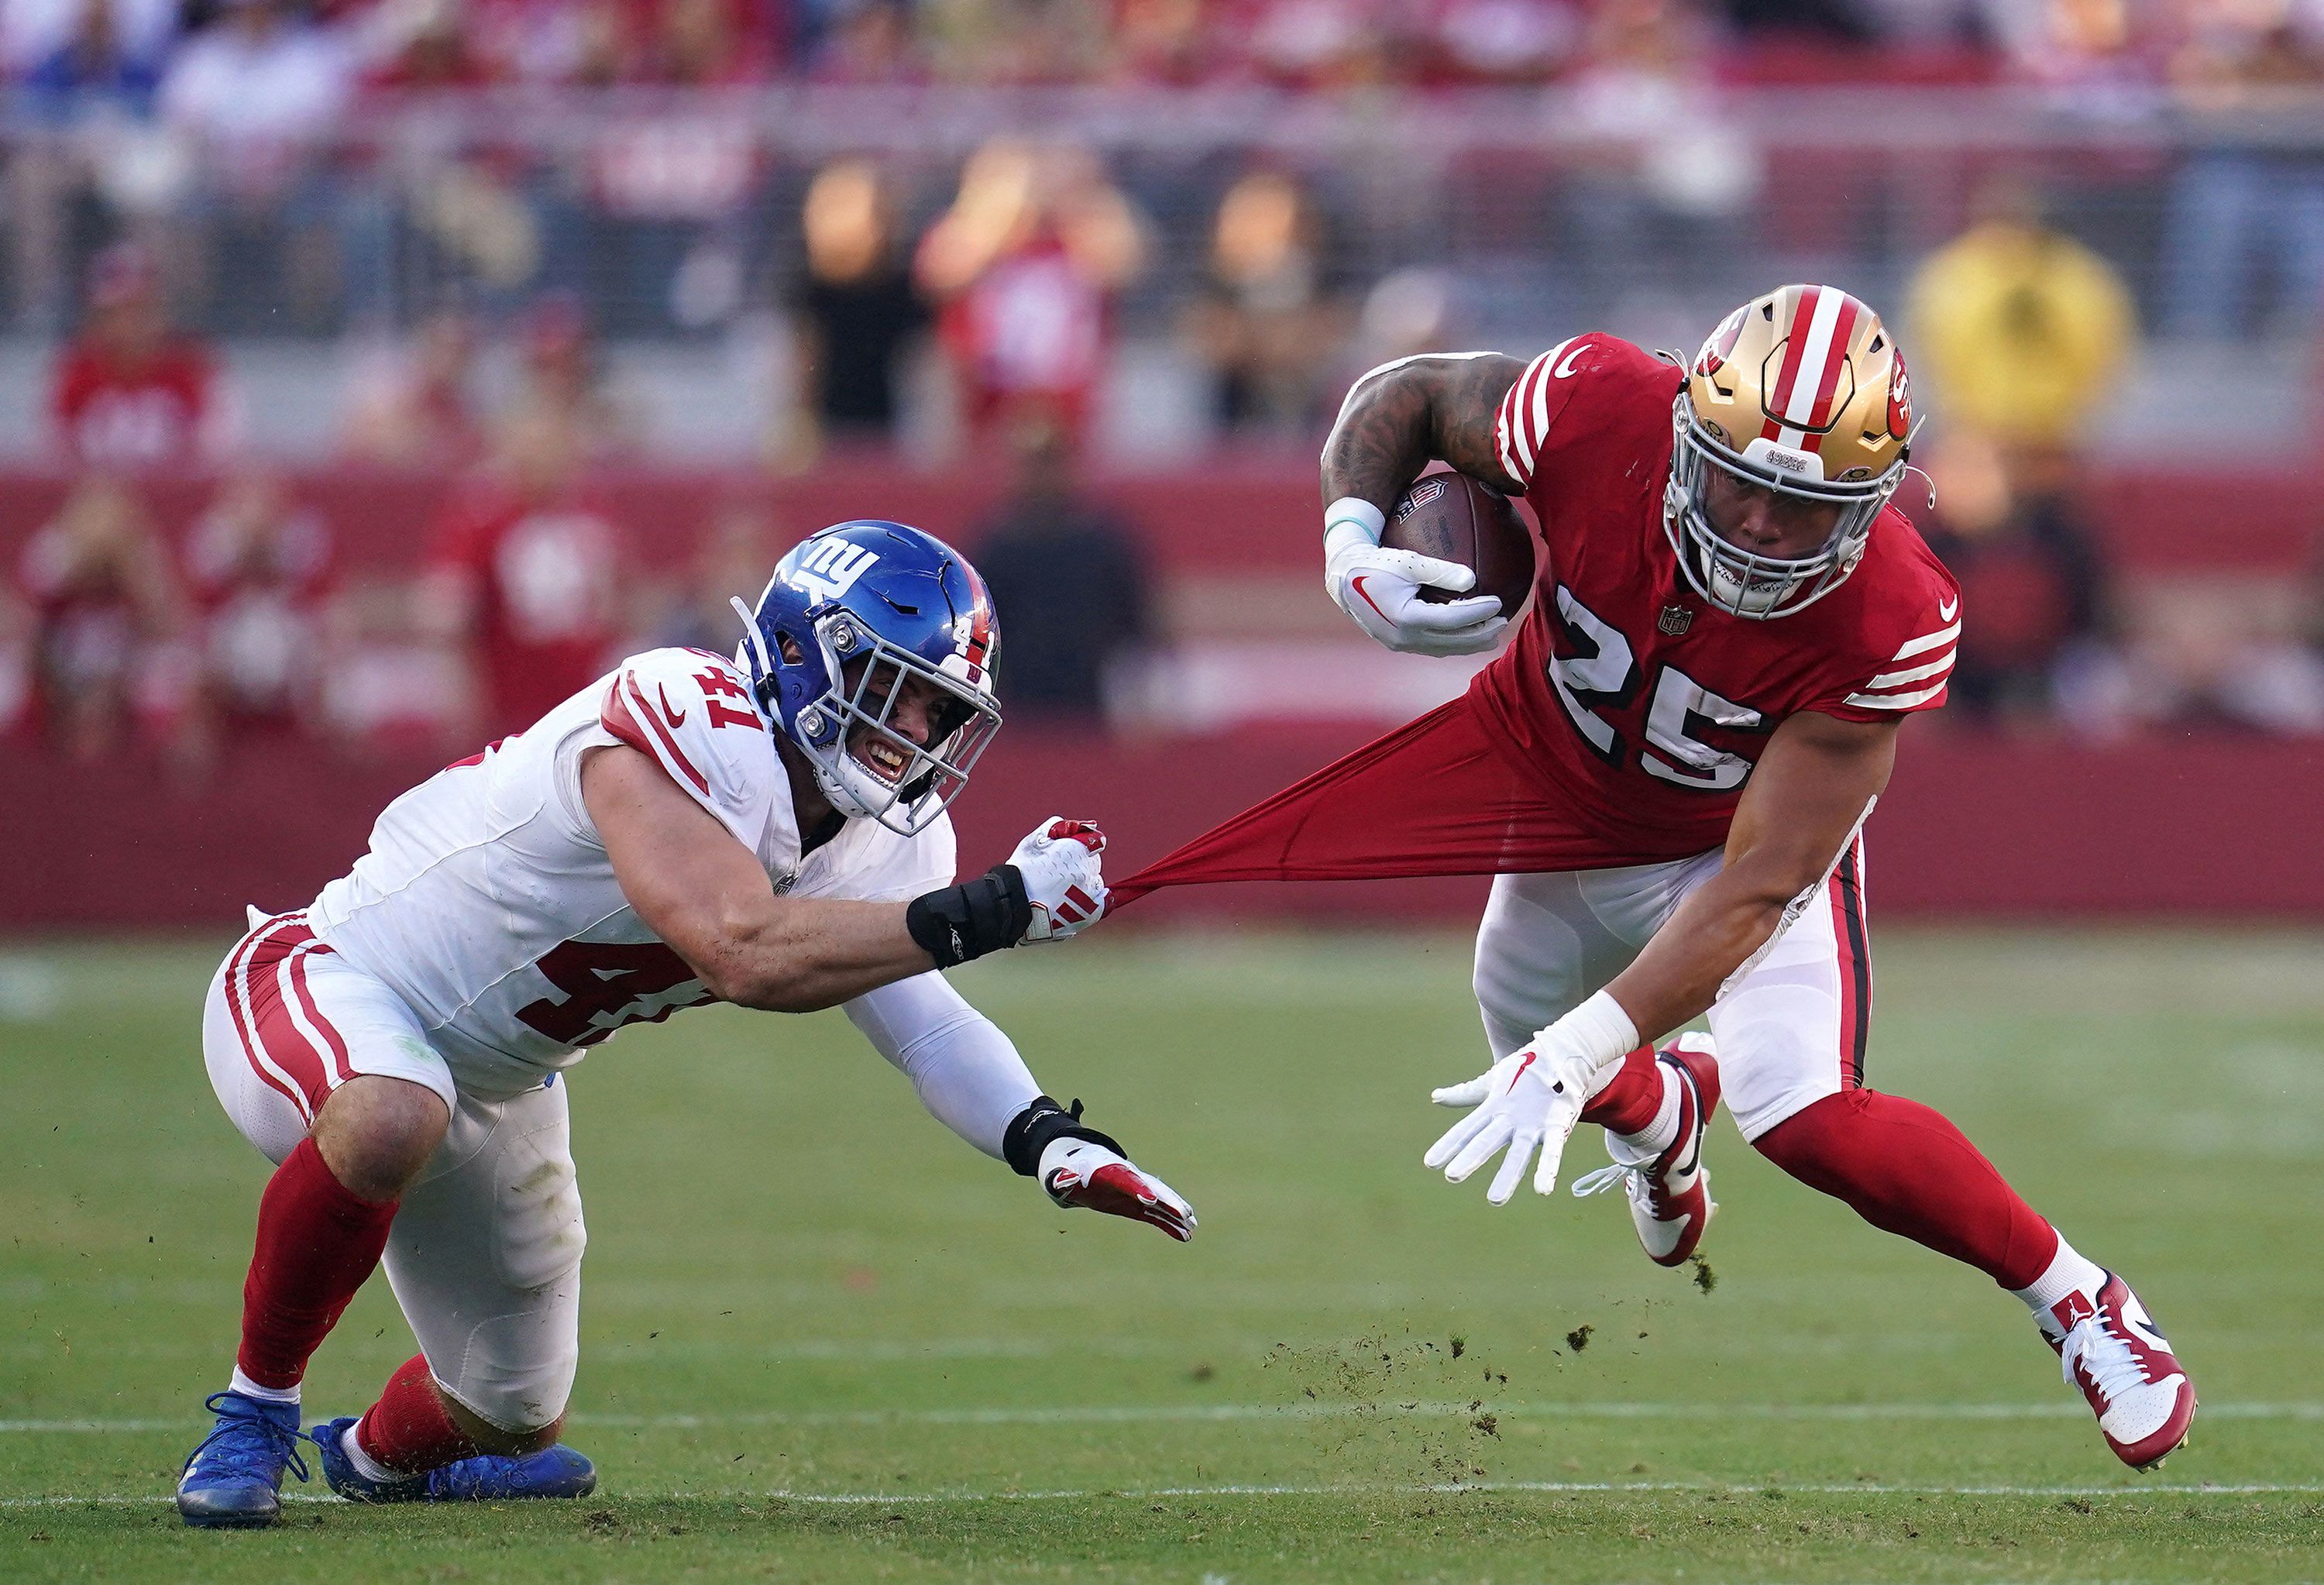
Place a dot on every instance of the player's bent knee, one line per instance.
(376, 1133)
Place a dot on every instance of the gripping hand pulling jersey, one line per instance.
(488, 904)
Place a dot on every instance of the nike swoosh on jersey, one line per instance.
(677, 718)
(1565, 369)
(1945, 612)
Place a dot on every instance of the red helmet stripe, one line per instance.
(1795, 347)
(1819, 417)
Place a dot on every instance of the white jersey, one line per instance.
(489, 905)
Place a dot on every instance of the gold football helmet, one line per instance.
(1802, 392)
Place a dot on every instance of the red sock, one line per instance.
(317, 1243)
(409, 1429)
(1633, 1100)
(1906, 1170)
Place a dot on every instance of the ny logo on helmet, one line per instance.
(830, 568)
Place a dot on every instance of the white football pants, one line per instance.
(1790, 1027)
(484, 1253)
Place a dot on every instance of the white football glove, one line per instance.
(1380, 589)
(1063, 874)
(1531, 1098)
(1082, 1173)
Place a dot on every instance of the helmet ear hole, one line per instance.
(789, 649)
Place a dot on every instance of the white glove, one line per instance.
(1380, 589)
(1532, 1098)
(1064, 877)
(1084, 1173)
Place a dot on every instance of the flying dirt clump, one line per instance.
(1386, 1408)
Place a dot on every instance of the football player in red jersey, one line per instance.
(1668, 775)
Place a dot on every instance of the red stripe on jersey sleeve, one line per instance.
(653, 739)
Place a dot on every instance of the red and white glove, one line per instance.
(1380, 588)
(1060, 865)
(1082, 1173)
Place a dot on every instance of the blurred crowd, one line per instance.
(183, 181)
(306, 168)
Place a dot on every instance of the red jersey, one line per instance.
(1641, 706)
(545, 581)
(149, 416)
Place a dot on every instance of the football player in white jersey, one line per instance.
(769, 831)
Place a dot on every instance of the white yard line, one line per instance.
(1144, 1414)
(1351, 1489)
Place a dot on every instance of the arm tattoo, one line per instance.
(1440, 405)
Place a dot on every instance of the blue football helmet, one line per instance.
(852, 612)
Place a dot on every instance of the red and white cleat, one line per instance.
(2111, 1350)
(1670, 1194)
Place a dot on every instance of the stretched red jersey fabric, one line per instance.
(1438, 796)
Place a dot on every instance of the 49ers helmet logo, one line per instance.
(1721, 344)
(1899, 402)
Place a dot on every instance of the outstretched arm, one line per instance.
(1394, 421)
(705, 895)
(969, 1076)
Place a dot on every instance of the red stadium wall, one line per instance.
(2211, 825)
(1971, 828)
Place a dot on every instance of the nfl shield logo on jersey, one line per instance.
(1675, 619)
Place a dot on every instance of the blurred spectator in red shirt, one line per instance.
(854, 313)
(107, 620)
(414, 410)
(260, 568)
(1025, 263)
(1265, 322)
(130, 392)
(523, 575)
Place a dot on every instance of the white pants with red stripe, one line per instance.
(1790, 1028)
(485, 1254)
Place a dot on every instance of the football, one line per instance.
(1453, 518)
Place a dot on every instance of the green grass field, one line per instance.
(826, 1341)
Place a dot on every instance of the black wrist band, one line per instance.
(968, 920)
(1035, 1127)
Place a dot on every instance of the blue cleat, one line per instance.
(555, 1471)
(235, 1479)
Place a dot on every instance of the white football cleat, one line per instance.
(1670, 1192)
(2111, 1350)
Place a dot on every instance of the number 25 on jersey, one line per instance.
(1597, 679)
